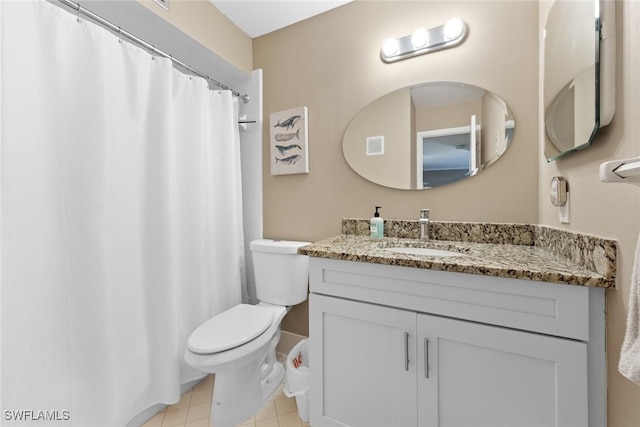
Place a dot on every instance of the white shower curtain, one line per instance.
(121, 219)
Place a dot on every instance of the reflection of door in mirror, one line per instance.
(437, 162)
(447, 149)
(447, 155)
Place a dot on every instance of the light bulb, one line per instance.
(390, 47)
(453, 29)
(419, 38)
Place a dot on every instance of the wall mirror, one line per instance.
(579, 90)
(428, 135)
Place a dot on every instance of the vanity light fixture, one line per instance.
(419, 38)
(424, 41)
(390, 47)
(453, 29)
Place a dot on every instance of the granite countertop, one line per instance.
(501, 250)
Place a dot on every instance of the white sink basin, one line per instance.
(423, 251)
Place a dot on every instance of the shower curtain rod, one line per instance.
(79, 9)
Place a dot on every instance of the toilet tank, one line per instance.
(282, 276)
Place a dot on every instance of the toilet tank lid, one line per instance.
(277, 246)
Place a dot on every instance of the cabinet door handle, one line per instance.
(406, 351)
(426, 358)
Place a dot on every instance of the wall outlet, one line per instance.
(564, 211)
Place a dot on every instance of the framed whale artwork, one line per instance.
(289, 141)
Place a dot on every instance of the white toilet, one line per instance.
(239, 345)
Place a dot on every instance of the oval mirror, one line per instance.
(428, 135)
(573, 83)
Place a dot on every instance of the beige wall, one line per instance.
(331, 64)
(200, 20)
(610, 210)
(389, 117)
(448, 116)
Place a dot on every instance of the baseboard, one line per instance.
(288, 340)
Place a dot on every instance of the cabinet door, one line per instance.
(485, 376)
(363, 364)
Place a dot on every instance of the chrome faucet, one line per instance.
(424, 224)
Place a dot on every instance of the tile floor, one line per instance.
(195, 404)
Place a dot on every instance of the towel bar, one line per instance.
(623, 170)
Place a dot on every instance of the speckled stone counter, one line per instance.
(518, 251)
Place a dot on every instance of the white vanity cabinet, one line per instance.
(365, 380)
(471, 374)
(397, 346)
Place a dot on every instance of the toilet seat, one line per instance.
(230, 329)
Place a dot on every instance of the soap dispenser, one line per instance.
(376, 227)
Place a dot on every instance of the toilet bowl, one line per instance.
(239, 345)
(247, 374)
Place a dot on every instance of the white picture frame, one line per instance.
(289, 141)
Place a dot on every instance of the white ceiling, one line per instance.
(259, 17)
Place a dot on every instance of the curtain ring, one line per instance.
(119, 34)
(78, 15)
